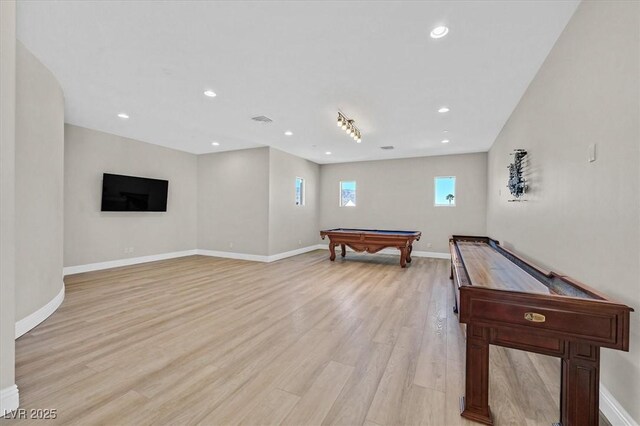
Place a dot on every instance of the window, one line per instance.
(299, 191)
(445, 191)
(348, 193)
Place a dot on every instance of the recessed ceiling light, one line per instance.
(288, 133)
(210, 93)
(445, 141)
(439, 32)
(328, 152)
(215, 143)
(445, 131)
(444, 109)
(123, 116)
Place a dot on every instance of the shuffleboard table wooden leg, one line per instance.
(579, 389)
(332, 250)
(475, 404)
(409, 250)
(344, 250)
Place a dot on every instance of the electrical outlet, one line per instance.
(230, 245)
(591, 153)
(429, 245)
(299, 242)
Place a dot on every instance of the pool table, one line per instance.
(371, 241)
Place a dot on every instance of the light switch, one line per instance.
(592, 152)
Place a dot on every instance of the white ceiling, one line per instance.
(297, 63)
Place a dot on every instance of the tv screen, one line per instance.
(133, 194)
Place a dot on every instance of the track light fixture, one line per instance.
(349, 126)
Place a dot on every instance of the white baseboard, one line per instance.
(396, 252)
(30, 321)
(70, 270)
(256, 257)
(232, 255)
(9, 400)
(432, 254)
(290, 253)
(613, 411)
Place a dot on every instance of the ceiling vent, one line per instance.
(262, 119)
(387, 147)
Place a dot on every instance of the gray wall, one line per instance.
(7, 192)
(217, 201)
(233, 201)
(93, 236)
(39, 184)
(581, 218)
(292, 227)
(399, 194)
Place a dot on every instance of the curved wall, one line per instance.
(39, 189)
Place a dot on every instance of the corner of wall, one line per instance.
(8, 390)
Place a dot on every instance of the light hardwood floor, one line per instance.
(302, 341)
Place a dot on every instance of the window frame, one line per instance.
(303, 191)
(355, 188)
(435, 191)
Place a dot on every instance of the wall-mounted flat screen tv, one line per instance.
(133, 194)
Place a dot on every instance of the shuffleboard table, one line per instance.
(507, 301)
(371, 241)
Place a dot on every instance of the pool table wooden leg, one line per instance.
(409, 250)
(344, 250)
(332, 250)
(403, 257)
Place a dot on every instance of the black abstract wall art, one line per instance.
(517, 185)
